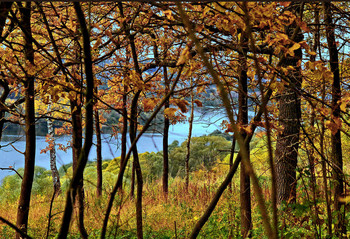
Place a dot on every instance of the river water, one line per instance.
(149, 142)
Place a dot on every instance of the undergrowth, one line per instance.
(171, 217)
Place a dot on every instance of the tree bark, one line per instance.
(188, 144)
(77, 140)
(132, 184)
(311, 158)
(83, 157)
(28, 174)
(99, 154)
(124, 133)
(245, 200)
(337, 160)
(232, 155)
(166, 138)
(133, 130)
(287, 146)
(136, 166)
(324, 168)
(54, 171)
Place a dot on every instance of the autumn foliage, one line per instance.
(279, 71)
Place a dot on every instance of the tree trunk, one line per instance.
(133, 129)
(77, 132)
(132, 184)
(246, 217)
(324, 168)
(337, 160)
(166, 138)
(124, 132)
(188, 145)
(232, 154)
(77, 138)
(54, 171)
(289, 115)
(123, 166)
(28, 174)
(74, 186)
(99, 154)
(312, 160)
(136, 165)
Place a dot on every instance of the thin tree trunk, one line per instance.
(241, 141)
(245, 200)
(83, 157)
(28, 174)
(99, 154)
(132, 185)
(166, 138)
(289, 115)
(311, 158)
(313, 182)
(337, 160)
(232, 154)
(324, 171)
(54, 171)
(77, 135)
(133, 130)
(138, 171)
(323, 164)
(188, 145)
(204, 218)
(119, 181)
(77, 140)
(136, 165)
(124, 132)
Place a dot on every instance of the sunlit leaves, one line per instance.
(185, 56)
(334, 125)
(170, 112)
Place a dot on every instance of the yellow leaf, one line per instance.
(293, 48)
(345, 199)
(168, 14)
(185, 55)
(343, 106)
(312, 53)
(169, 112)
(206, 9)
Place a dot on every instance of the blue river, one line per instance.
(10, 151)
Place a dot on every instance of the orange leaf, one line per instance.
(182, 105)
(198, 103)
(169, 112)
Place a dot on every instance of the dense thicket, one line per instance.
(279, 71)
